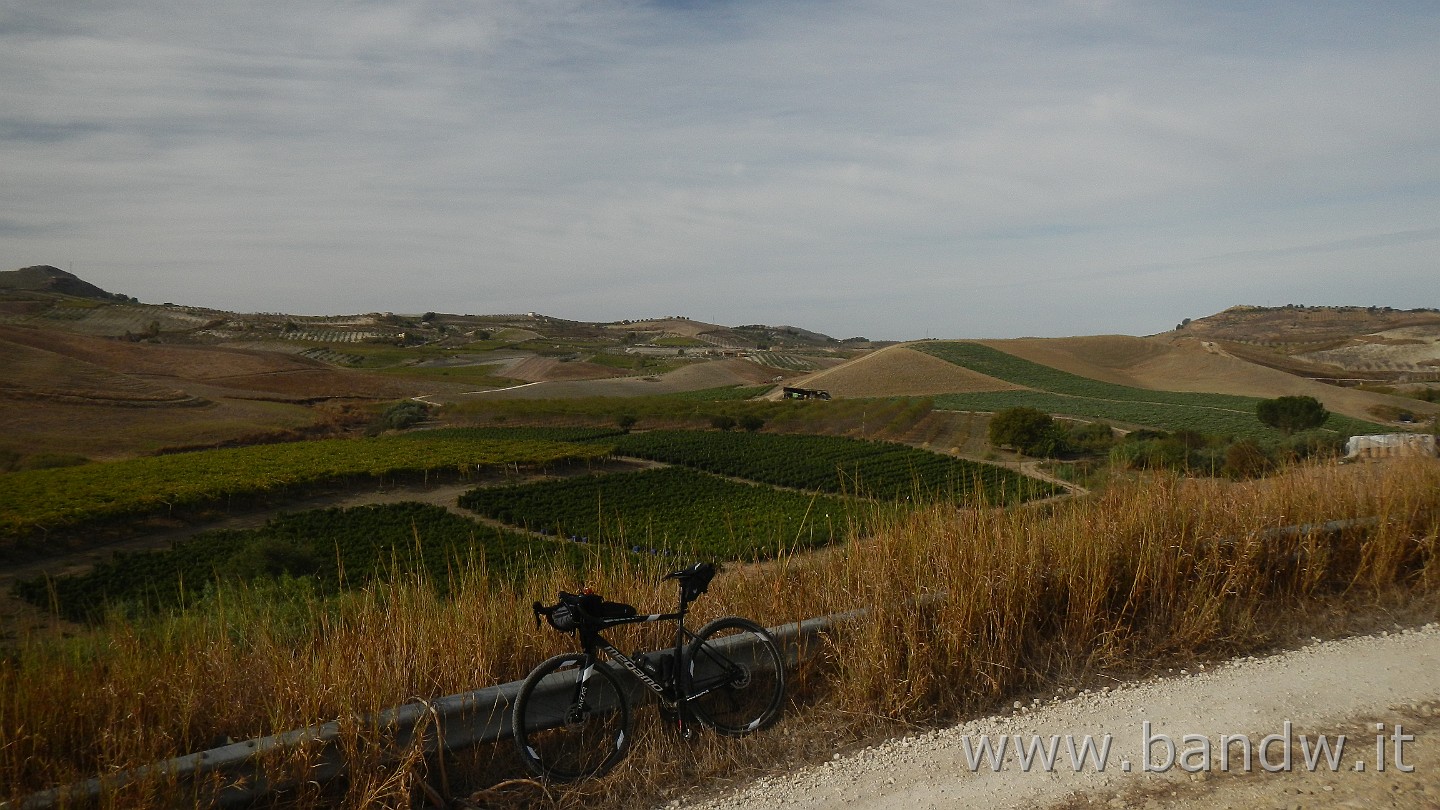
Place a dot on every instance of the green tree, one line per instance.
(1029, 430)
(625, 421)
(1291, 414)
(722, 422)
(1092, 437)
(751, 422)
(404, 414)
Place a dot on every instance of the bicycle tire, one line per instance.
(564, 742)
(739, 684)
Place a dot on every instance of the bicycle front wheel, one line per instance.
(571, 719)
(735, 677)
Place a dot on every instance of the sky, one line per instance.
(860, 168)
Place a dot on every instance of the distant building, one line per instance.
(804, 393)
(1387, 445)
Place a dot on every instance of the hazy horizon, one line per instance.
(854, 168)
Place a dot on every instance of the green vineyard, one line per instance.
(520, 433)
(47, 499)
(835, 464)
(335, 547)
(671, 510)
(1061, 392)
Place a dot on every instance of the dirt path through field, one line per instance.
(1382, 692)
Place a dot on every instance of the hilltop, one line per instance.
(43, 278)
(1334, 344)
(101, 375)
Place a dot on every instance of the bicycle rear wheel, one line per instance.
(735, 677)
(571, 720)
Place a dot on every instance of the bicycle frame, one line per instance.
(562, 715)
(674, 695)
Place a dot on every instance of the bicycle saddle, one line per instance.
(694, 580)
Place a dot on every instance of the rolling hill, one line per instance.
(102, 375)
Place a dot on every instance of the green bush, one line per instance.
(1311, 444)
(1246, 459)
(1151, 454)
(1092, 437)
(404, 414)
(1291, 414)
(1029, 430)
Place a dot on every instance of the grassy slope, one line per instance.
(1058, 391)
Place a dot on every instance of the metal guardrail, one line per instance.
(448, 723)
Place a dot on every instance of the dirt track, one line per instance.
(1348, 686)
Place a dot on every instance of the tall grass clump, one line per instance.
(962, 610)
(970, 608)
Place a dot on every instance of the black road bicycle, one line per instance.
(572, 717)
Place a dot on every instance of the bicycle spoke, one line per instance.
(564, 736)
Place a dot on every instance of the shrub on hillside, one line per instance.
(750, 422)
(1246, 459)
(1092, 437)
(1311, 444)
(1292, 414)
(1151, 454)
(1029, 430)
(404, 414)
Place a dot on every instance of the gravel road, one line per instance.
(1385, 686)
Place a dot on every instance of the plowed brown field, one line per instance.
(183, 362)
(27, 373)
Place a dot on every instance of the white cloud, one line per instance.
(855, 167)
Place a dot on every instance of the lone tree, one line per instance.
(1029, 430)
(1289, 414)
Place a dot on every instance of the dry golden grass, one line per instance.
(1147, 573)
(901, 371)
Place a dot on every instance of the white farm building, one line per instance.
(1390, 444)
